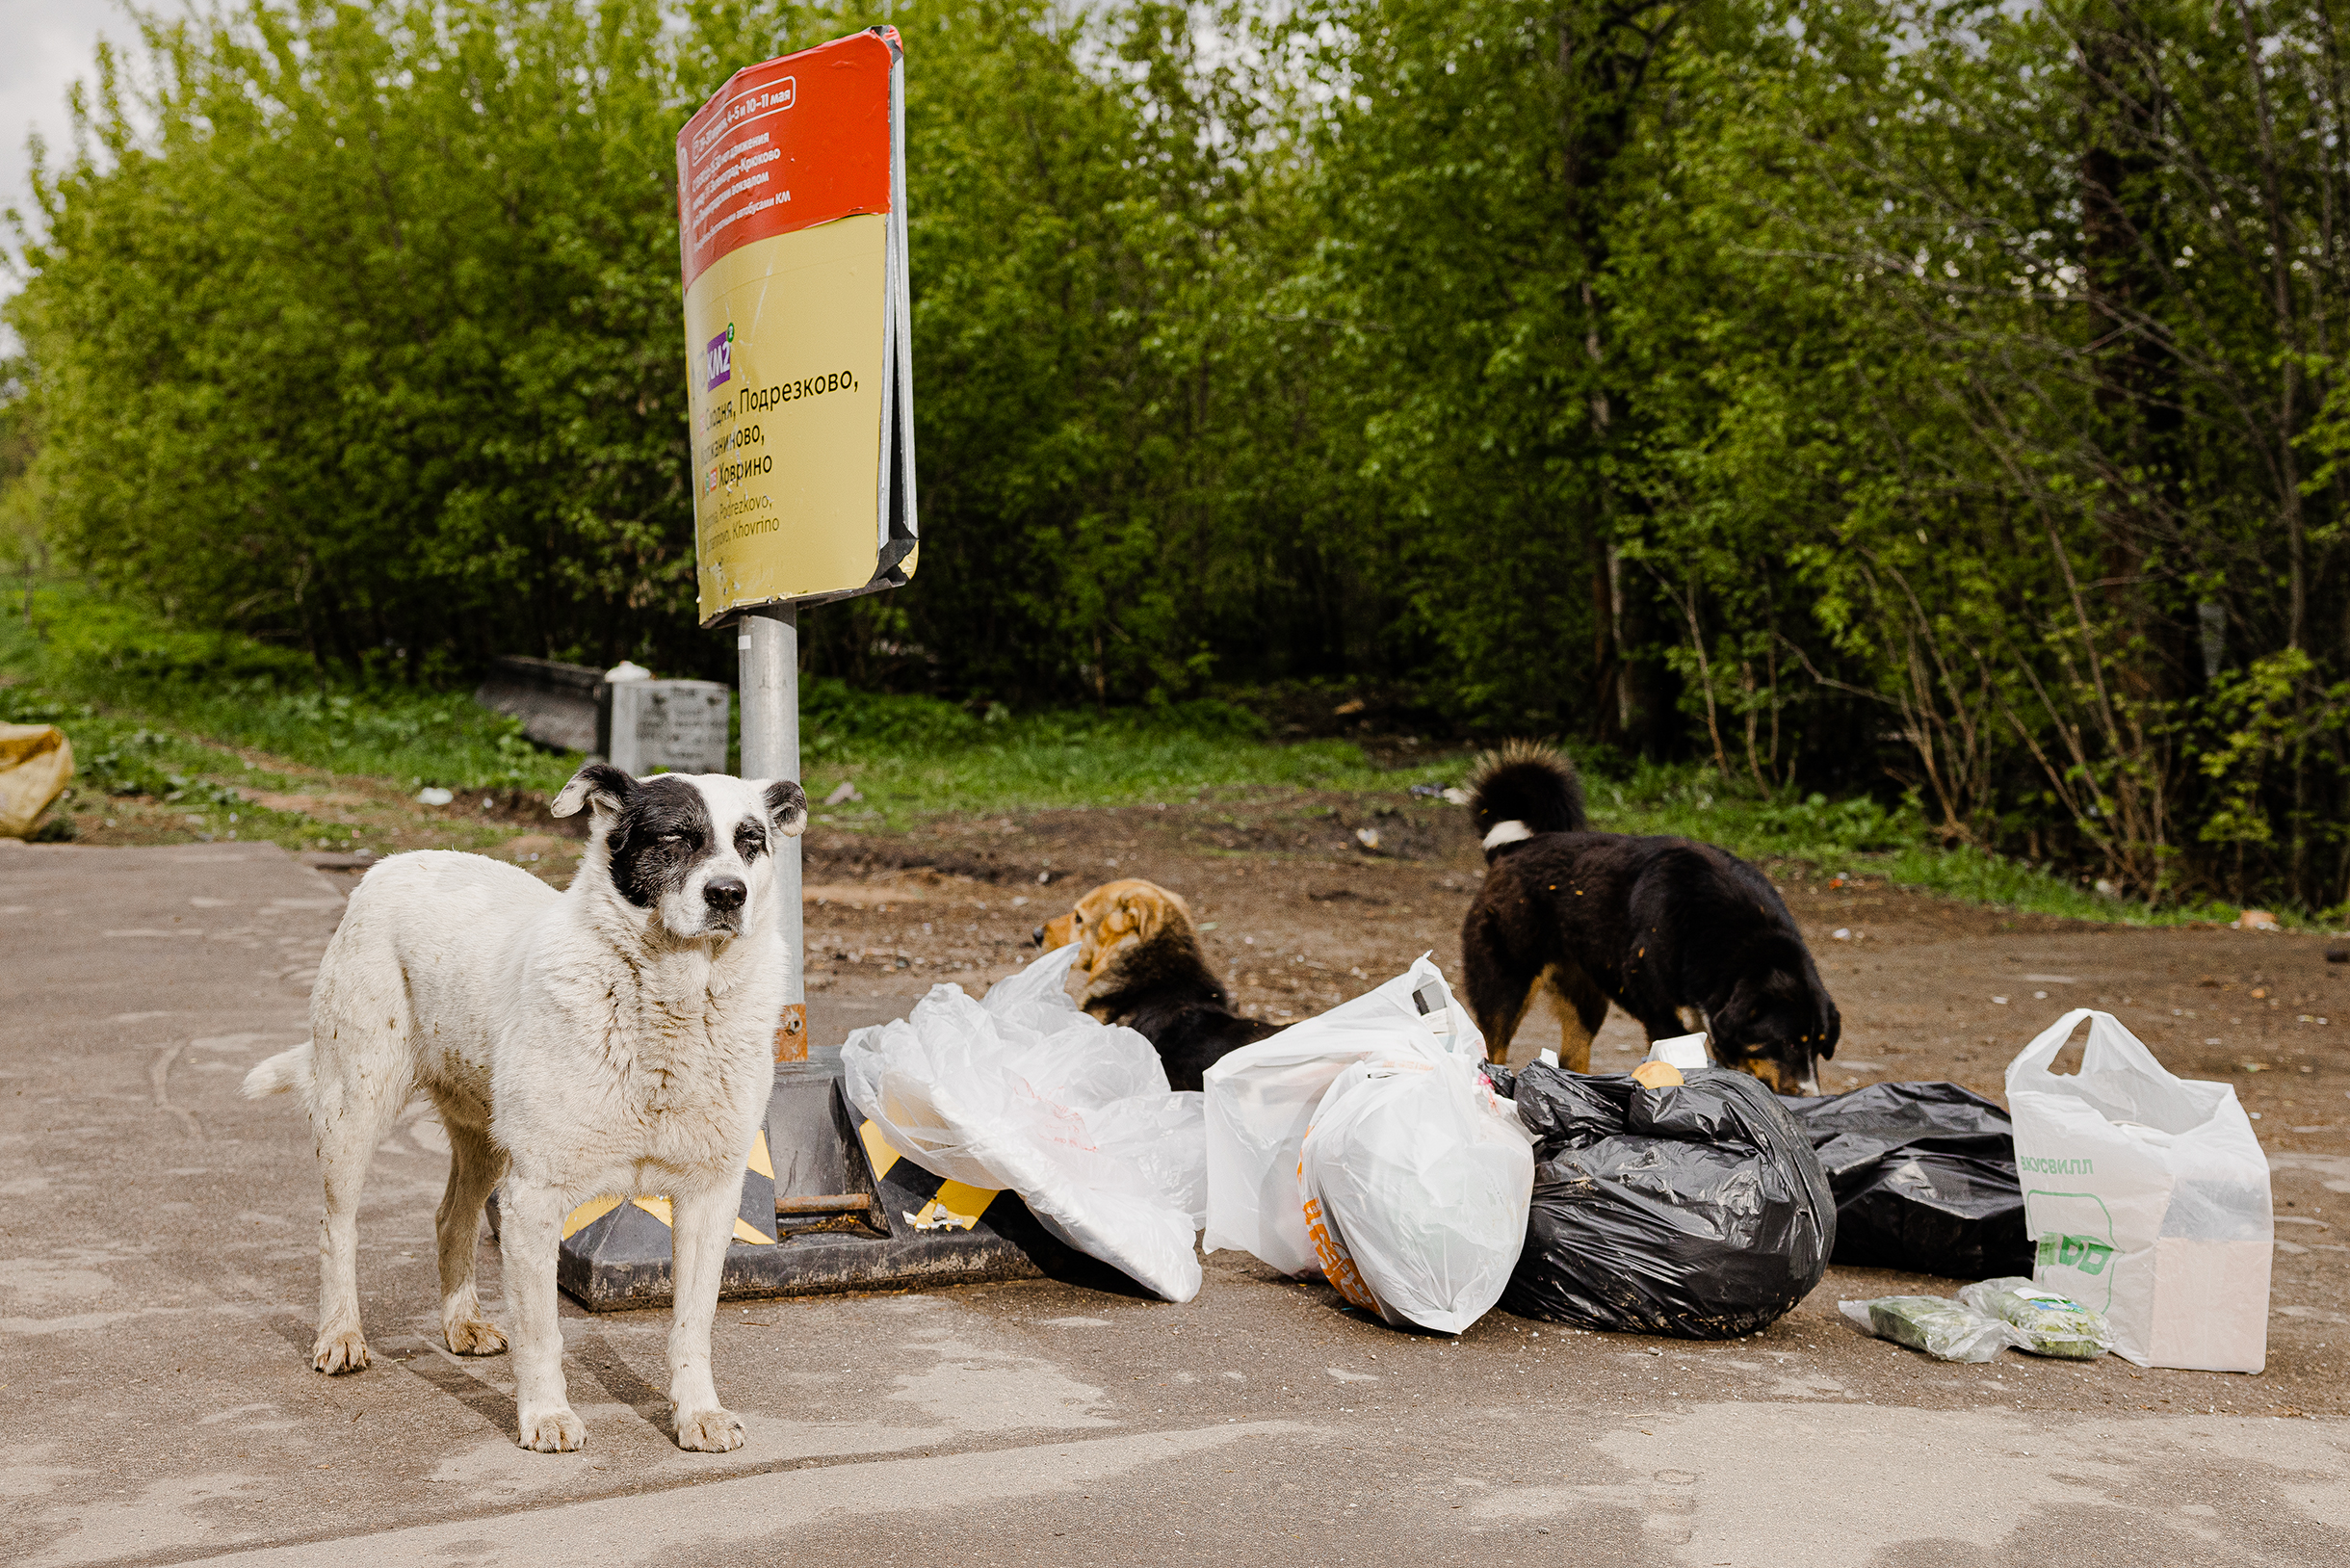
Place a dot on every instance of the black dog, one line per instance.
(1681, 936)
(1139, 952)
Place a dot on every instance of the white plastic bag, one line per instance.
(1262, 1097)
(1024, 1091)
(1414, 1181)
(2147, 1198)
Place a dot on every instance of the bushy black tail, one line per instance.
(1523, 789)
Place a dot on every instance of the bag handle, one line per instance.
(2036, 1057)
(2111, 1048)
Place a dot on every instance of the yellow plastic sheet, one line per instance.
(36, 764)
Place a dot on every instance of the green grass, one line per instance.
(81, 652)
(130, 692)
(139, 700)
(912, 757)
(1859, 835)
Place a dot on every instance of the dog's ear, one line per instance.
(599, 785)
(787, 807)
(1153, 909)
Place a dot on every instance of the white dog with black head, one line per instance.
(617, 1037)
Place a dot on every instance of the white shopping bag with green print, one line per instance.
(2147, 1197)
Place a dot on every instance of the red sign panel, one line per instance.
(786, 144)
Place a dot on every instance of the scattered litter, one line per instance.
(1427, 792)
(1263, 1097)
(1945, 1329)
(1368, 838)
(1025, 1091)
(845, 792)
(2339, 954)
(2160, 1214)
(1457, 795)
(2050, 1324)
(2000, 1001)
(2257, 920)
(1843, 933)
(1925, 1178)
(1686, 1052)
(1696, 1211)
(432, 794)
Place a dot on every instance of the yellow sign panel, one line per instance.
(787, 450)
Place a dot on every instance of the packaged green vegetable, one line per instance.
(2050, 1324)
(1945, 1329)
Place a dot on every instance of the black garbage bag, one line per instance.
(1924, 1176)
(1698, 1211)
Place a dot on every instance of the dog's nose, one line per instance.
(724, 893)
(1037, 936)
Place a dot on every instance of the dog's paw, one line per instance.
(554, 1431)
(710, 1432)
(474, 1337)
(343, 1351)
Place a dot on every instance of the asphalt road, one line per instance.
(157, 1279)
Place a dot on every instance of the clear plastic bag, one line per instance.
(1414, 1179)
(1945, 1329)
(1025, 1092)
(2050, 1324)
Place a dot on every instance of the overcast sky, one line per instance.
(44, 45)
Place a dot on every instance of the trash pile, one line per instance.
(1024, 1091)
(1373, 1146)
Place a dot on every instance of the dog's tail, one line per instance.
(286, 1070)
(1523, 789)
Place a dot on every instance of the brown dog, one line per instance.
(1139, 952)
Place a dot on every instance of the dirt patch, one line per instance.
(308, 805)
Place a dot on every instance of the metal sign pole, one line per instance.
(768, 641)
